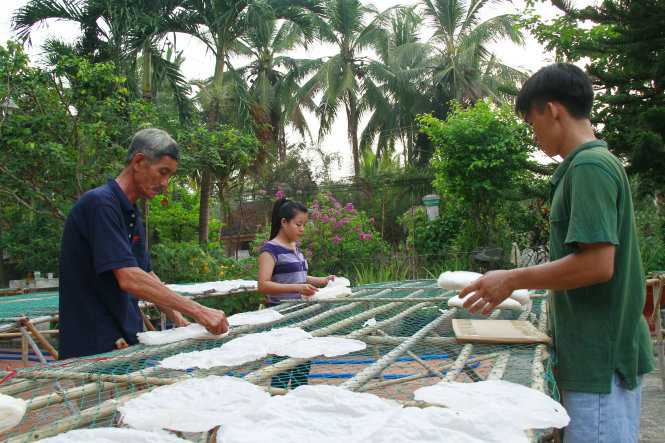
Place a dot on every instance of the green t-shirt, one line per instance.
(597, 329)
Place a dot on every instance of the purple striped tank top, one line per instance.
(290, 268)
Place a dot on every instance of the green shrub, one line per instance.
(187, 263)
(651, 232)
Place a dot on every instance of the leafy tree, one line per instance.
(126, 32)
(68, 134)
(627, 67)
(479, 160)
(62, 140)
(224, 151)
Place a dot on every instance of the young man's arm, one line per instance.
(592, 264)
(146, 287)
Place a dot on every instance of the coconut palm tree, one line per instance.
(464, 69)
(401, 78)
(274, 78)
(342, 78)
(219, 24)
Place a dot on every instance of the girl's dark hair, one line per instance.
(286, 209)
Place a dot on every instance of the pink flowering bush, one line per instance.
(338, 238)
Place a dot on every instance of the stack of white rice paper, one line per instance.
(458, 280)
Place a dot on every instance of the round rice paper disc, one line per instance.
(527, 408)
(195, 405)
(112, 435)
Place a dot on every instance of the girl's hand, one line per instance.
(330, 278)
(306, 289)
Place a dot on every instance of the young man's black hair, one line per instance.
(561, 82)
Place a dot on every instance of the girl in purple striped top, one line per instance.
(283, 272)
(282, 267)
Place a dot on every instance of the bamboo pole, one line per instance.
(26, 323)
(499, 366)
(372, 300)
(368, 373)
(460, 363)
(68, 394)
(393, 340)
(18, 334)
(418, 360)
(146, 321)
(537, 368)
(17, 321)
(83, 418)
(16, 387)
(408, 378)
(34, 346)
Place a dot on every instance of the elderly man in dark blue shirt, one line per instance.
(104, 265)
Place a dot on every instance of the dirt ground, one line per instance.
(652, 418)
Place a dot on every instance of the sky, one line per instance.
(199, 63)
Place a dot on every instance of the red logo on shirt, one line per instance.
(136, 238)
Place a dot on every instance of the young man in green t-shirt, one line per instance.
(595, 276)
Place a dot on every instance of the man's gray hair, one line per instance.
(154, 144)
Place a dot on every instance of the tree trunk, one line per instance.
(204, 207)
(147, 75)
(352, 120)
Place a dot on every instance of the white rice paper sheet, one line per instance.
(254, 317)
(523, 296)
(199, 332)
(12, 411)
(339, 281)
(290, 342)
(195, 405)
(194, 331)
(525, 407)
(317, 413)
(330, 292)
(327, 346)
(509, 303)
(213, 286)
(112, 435)
(446, 425)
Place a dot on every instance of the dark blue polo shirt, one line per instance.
(103, 232)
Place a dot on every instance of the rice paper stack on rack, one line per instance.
(458, 280)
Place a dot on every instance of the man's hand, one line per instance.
(214, 320)
(487, 292)
(177, 319)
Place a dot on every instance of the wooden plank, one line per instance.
(498, 331)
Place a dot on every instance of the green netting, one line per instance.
(411, 345)
(32, 304)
